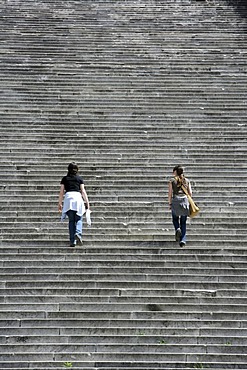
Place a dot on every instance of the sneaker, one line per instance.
(178, 235)
(72, 245)
(182, 244)
(78, 238)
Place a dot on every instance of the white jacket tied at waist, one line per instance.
(73, 201)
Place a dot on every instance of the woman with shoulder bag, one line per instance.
(178, 203)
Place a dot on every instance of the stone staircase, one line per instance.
(127, 89)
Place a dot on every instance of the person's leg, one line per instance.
(175, 220)
(183, 220)
(78, 231)
(72, 226)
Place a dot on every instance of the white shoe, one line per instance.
(78, 238)
(178, 235)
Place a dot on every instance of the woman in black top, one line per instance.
(71, 204)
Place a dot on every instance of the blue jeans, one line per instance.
(180, 222)
(75, 225)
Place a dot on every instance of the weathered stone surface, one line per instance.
(127, 89)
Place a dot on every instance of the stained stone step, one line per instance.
(115, 317)
(77, 309)
(16, 296)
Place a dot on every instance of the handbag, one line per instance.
(88, 217)
(194, 209)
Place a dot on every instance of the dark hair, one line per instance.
(179, 170)
(72, 169)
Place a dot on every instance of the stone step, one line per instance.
(134, 252)
(134, 354)
(123, 276)
(205, 284)
(133, 239)
(148, 127)
(134, 295)
(221, 264)
(40, 296)
(159, 226)
(137, 363)
(131, 138)
(130, 221)
(35, 337)
(98, 350)
(121, 184)
(106, 333)
(151, 126)
(119, 365)
(99, 309)
(195, 320)
(150, 271)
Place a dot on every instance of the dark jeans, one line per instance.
(180, 222)
(75, 225)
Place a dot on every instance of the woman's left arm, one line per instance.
(189, 189)
(84, 195)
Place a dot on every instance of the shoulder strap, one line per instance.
(184, 189)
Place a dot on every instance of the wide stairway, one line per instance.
(127, 89)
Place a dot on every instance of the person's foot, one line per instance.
(178, 235)
(182, 244)
(72, 245)
(78, 238)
